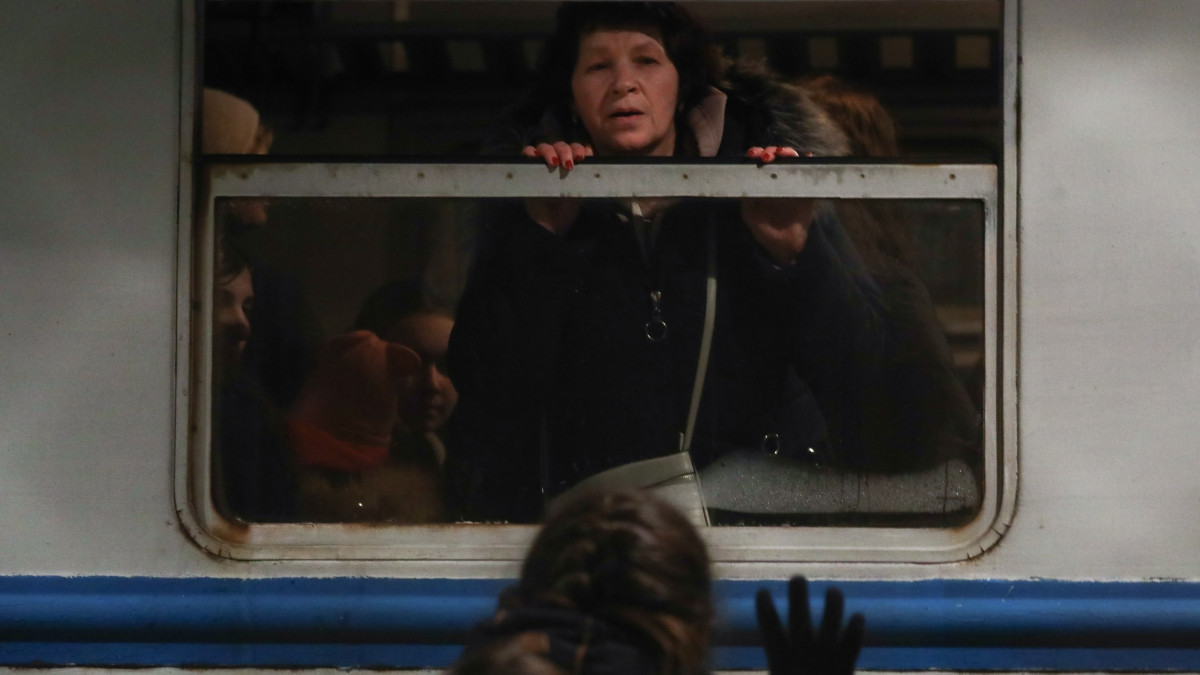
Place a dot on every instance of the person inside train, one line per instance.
(233, 305)
(919, 412)
(231, 126)
(412, 313)
(579, 336)
(286, 332)
(618, 582)
(253, 474)
(343, 429)
(254, 479)
(365, 428)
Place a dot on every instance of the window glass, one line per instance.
(383, 351)
(845, 391)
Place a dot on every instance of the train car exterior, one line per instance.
(1088, 560)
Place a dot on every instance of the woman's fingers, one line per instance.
(545, 151)
(564, 156)
(580, 151)
(552, 154)
(764, 155)
(569, 154)
(768, 154)
(559, 153)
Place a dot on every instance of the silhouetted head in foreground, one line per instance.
(615, 582)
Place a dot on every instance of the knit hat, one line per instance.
(230, 124)
(344, 416)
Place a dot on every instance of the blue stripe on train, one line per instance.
(932, 624)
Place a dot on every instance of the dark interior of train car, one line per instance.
(423, 78)
(422, 81)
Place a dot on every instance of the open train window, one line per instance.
(329, 275)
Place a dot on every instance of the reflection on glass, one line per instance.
(334, 410)
(378, 383)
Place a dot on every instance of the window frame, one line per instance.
(209, 178)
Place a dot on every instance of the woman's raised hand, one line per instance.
(556, 214)
(559, 154)
(768, 154)
(780, 226)
(829, 650)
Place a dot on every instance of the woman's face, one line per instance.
(431, 396)
(232, 306)
(625, 91)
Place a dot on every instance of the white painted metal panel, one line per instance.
(1110, 292)
(1109, 382)
(88, 99)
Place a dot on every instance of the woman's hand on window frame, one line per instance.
(780, 226)
(768, 154)
(559, 154)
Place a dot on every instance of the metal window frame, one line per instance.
(737, 551)
(802, 179)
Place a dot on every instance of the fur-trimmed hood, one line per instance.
(791, 117)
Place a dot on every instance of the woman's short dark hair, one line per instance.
(696, 59)
(230, 261)
(626, 557)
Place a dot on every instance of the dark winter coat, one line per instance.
(558, 381)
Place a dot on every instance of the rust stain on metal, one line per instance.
(371, 525)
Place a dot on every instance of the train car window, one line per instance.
(315, 420)
(387, 328)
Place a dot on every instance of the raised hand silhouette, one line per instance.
(831, 650)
